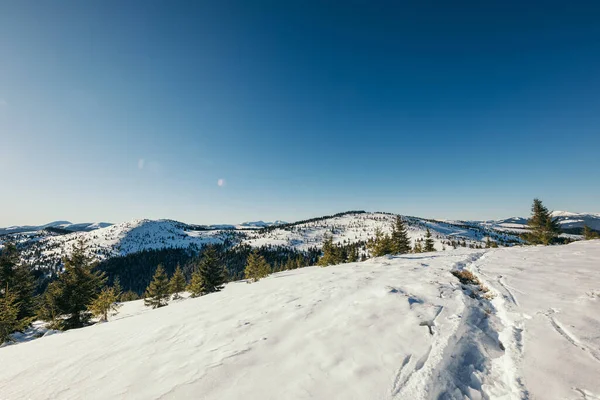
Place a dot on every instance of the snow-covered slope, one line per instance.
(65, 225)
(566, 220)
(577, 220)
(122, 239)
(388, 328)
(137, 235)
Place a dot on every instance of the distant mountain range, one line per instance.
(64, 225)
(46, 244)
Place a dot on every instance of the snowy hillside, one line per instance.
(355, 227)
(389, 328)
(121, 239)
(65, 225)
(567, 220)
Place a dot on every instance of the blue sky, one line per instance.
(113, 110)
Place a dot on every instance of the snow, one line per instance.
(550, 297)
(389, 328)
(47, 250)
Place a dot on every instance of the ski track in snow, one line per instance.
(561, 330)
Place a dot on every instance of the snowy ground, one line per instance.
(389, 328)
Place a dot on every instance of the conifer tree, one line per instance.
(290, 264)
(256, 267)
(9, 311)
(196, 285)
(212, 272)
(105, 304)
(399, 238)
(488, 243)
(157, 294)
(428, 242)
(117, 289)
(543, 229)
(77, 287)
(352, 254)
(381, 244)
(589, 234)
(17, 277)
(417, 248)
(329, 256)
(177, 283)
(129, 295)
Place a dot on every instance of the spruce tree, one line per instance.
(77, 287)
(105, 304)
(129, 295)
(117, 289)
(428, 242)
(177, 283)
(18, 278)
(381, 244)
(543, 229)
(256, 267)
(399, 238)
(352, 254)
(212, 271)
(589, 234)
(157, 294)
(329, 256)
(196, 286)
(9, 315)
(417, 248)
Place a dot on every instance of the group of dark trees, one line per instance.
(17, 285)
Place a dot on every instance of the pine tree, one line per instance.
(9, 311)
(428, 243)
(589, 234)
(488, 243)
(417, 248)
(290, 264)
(105, 304)
(352, 254)
(177, 283)
(329, 256)
(19, 279)
(543, 229)
(196, 286)
(157, 294)
(117, 289)
(212, 272)
(400, 241)
(77, 287)
(129, 296)
(256, 267)
(381, 244)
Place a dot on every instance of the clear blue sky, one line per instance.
(112, 110)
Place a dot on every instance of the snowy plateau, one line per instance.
(394, 327)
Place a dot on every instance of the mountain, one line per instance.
(569, 221)
(262, 224)
(393, 327)
(48, 248)
(61, 225)
(46, 245)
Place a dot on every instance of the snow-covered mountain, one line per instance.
(567, 220)
(398, 327)
(47, 244)
(48, 249)
(64, 225)
(262, 224)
